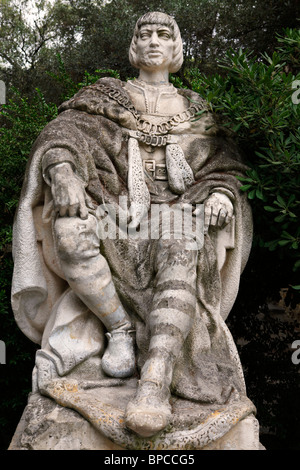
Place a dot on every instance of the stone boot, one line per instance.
(119, 357)
(150, 411)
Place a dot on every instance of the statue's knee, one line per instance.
(76, 239)
(177, 251)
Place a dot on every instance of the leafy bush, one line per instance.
(70, 88)
(256, 102)
(22, 120)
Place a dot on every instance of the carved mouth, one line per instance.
(154, 53)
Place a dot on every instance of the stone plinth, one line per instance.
(46, 425)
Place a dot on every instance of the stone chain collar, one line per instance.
(144, 126)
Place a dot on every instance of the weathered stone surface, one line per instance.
(243, 436)
(98, 422)
(45, 425)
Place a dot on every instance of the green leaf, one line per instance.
(283, 242)
(280, 218)
(259, 194)
(246, 187)
(237, 127)
(281, 201)
(296, 265)
(287, 235)
(272, 245)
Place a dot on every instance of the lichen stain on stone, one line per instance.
(149, 446)
(235, 421)
(160, 447)
(104, 419)
(73, 388)
(72, 335)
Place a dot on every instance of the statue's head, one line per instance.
(165, 22)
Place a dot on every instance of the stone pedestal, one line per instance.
(45, 425)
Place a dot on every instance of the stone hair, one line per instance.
(165, 20)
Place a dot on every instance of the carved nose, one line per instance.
(154, 40)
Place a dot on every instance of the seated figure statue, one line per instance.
(150, 309)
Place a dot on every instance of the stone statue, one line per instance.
(132, 328)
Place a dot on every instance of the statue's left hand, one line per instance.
(218, 211)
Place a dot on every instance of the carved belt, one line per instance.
(153, 140)
(158, 171)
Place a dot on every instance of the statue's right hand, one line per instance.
(69, 196)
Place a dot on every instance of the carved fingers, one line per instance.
(218, 211)
(69, 196)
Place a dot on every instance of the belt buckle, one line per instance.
(158, 171)
(161, 172)
(149, 167)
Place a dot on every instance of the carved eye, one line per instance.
(164, 34)
(144, 35)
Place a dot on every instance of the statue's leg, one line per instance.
(89, 276)
(170, 322)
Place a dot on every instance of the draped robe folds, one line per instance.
(91, 131)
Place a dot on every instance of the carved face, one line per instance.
(154, 47)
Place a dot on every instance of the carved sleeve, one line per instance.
(54, 157)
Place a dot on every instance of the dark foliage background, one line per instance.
(243, 57)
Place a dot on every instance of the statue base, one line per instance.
(49, 425)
